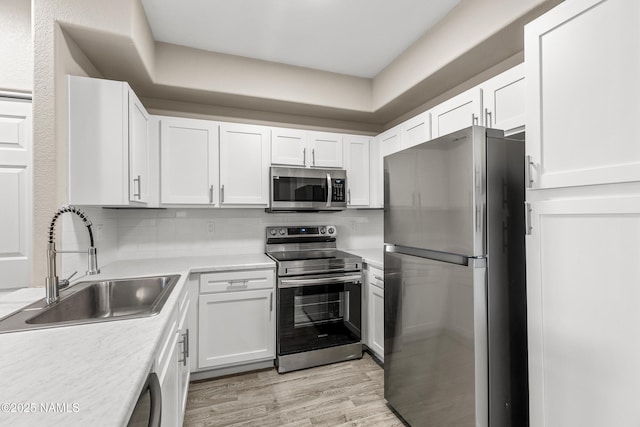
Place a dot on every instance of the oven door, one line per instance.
(307, 189)
(317, 312)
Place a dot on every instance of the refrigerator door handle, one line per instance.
(474, 262)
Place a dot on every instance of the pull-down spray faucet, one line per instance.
(52, 281)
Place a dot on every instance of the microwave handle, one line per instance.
(329, 190)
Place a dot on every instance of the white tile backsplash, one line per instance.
(161, 233)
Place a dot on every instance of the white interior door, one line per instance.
(15, 193)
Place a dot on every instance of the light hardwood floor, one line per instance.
(342, 394)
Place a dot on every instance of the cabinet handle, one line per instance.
(349, 196)
(377, 278)
(186, 344)
(313, 156)
(304, 156)
(487, 117)
(271, 301)
(240, 284)
(138, 194)
(211, 194)
(222, 194)
(474, 119)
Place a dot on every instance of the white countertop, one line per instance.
(96, 369)
(372, 256)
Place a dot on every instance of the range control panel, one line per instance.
(302, 230)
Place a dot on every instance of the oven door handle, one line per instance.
(294, 283)
(329, 190)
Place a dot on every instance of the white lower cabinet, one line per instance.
(583, 317)
(374, 337)
(236, 318)
(172, 365)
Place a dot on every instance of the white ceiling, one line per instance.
(354, 37)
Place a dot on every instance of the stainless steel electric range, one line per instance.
(319, 292)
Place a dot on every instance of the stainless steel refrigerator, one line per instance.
(455, 295)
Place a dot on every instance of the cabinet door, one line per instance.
(583, 317)
(376, 320)
(188, 161)
(15, 193)
(289, 147)
(503, 98)
(98, 142)
(416, 130)
(582, 98)
(169, 385)
(236, 327)
(356, 156)
(390, 141)
(183, 359)
(326, 149)
(457, 113)
(376, 174)
(139, 142)
(244, 165)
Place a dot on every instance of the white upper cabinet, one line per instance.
(503, 98)
(390, 141)
(289, 147)
(15, 193)
(244, 165)
(188, 161)
(293, 147)
(357, 162)
(139, 142)
(376, 181)
(416, 130)
(582, 68)
(326, 150)
(457, 113)
(108, 143)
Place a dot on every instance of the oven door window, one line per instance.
(311, 317)
(299, 189)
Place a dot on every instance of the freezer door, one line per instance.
(435, 346)
(435, 194)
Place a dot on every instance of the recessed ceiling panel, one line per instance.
(354, 37)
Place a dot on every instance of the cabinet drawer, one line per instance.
(237, 281)
(376, 277)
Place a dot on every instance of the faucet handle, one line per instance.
(65, 282)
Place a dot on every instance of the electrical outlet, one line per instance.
(210, 227)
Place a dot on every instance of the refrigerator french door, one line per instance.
(454, 281)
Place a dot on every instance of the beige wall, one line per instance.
(16, 47)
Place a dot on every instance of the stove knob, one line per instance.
(283, 231)
(331, 230)
(273, 231)
(323, 230)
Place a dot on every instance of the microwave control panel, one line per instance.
(338, 190)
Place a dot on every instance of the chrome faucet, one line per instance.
(53, 284)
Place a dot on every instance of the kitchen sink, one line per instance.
(96, 301)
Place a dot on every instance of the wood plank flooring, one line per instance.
(338, 395)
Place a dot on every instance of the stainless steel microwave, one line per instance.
(300, 189)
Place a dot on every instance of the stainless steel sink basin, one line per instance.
(96, 301)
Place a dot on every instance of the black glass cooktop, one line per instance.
(311, 255)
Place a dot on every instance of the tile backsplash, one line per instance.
(161, 233)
